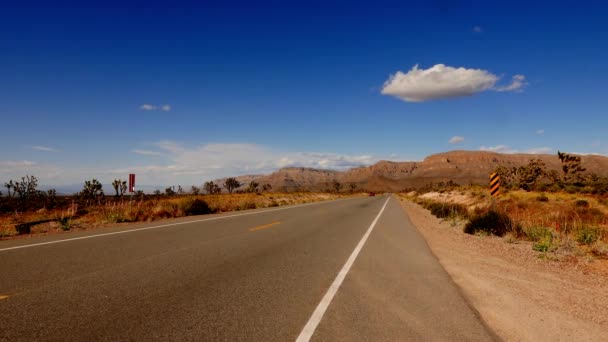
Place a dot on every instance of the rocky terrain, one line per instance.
(462, 167)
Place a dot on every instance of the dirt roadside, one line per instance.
(521, 296)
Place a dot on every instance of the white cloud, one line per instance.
(44, 148)
(517, 83)
(147, 107)
(456, 140)
(509, 150)
(164, 108)
(147, 152)
(182, 164)
(477, 29)
(441, 82)
(540, 132)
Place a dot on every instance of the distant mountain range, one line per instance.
(462, 167)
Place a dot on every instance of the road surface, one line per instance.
(347, 270)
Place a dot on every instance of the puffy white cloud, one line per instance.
(507, 149)
(456, 140)
(44, 149)
(165, 108)
(441, 82)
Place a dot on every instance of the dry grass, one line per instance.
(562, 223)
(150, 209)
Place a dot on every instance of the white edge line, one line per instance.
(170, 225)
(317, 315)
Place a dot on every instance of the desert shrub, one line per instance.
(581, 203)
(65, 223)
(248, 205)
(115, 217)
(196, 207)
(273, 204)
(600, 249)
(588, 235)
(443, 210)
(491, 222)
(542, 198)
(537, 233)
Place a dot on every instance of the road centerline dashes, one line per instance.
(264, 226)
(317, 315)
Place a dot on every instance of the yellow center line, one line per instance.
(264, 226)
(3, 297)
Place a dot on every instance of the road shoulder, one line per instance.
(521, 297)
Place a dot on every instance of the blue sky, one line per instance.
(183, 93)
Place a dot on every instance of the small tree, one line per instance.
(217, 189)
(156, 192)
(231, 183)
(253, 187)
(337, 186)
(180, 190)
(266, 187)
(352, 187)
(92, 189)
(529, 175)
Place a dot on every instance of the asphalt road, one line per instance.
(261, 275)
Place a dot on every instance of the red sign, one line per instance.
(131, 182)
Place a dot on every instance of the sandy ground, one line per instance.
(521, 295)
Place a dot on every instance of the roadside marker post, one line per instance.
(494, 188)
(494, 184)
(131, 182)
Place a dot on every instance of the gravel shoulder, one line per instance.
(520, 294)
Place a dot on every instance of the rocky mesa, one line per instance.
(462, 167)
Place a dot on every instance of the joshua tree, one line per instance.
(571, 165)
(9, 185)
(92, 189)
(266, 187)
(25, 188)
(170, 191)
(253, 186)
(210, 187)
(217, 189)
(195, 190)
(180, 190)
(120, 187)
(352, 187)
(231, 183)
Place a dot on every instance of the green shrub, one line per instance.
(196, 207)
(542, 198)
(537, 233)
(491, 222)
(544, 245)
(588, 235)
